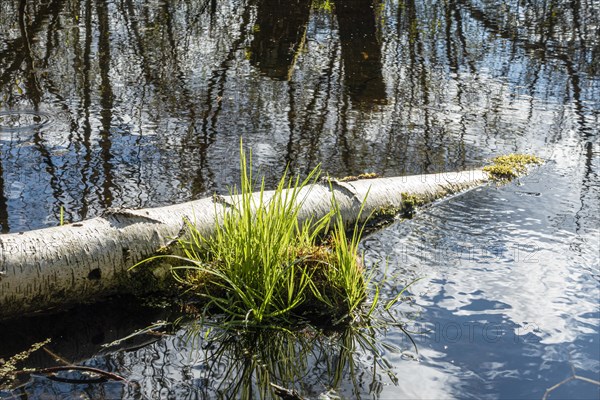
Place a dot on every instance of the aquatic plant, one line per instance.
(343, 286)
(261, 265)
(8, 368)
(508, 167)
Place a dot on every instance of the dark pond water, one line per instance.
(107, 103)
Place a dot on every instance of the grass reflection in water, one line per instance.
(278, 362)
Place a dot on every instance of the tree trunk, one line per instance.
(82, 261)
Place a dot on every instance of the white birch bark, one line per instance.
(82, 261)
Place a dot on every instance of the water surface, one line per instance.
(107, 103)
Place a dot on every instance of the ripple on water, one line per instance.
(16, 121)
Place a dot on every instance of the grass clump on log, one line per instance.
(262, 267)
(508, 167)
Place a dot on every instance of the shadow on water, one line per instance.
(78, 333)
(205, 361)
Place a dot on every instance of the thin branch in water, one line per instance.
(573, 377)
(56, 357)
(108, 375)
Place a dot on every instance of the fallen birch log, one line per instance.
(83, 261)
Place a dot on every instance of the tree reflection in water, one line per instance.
(147, 99)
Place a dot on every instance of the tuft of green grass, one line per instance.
(252, 257)
(508, 167)
(343, 287)
(262, 266)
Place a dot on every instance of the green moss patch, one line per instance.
(410, 203)
(367, 175)
(508, 167)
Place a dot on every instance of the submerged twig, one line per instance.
(108, 375)
(56, 356)
(573, 377)
(286, 394)
(148, 330)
